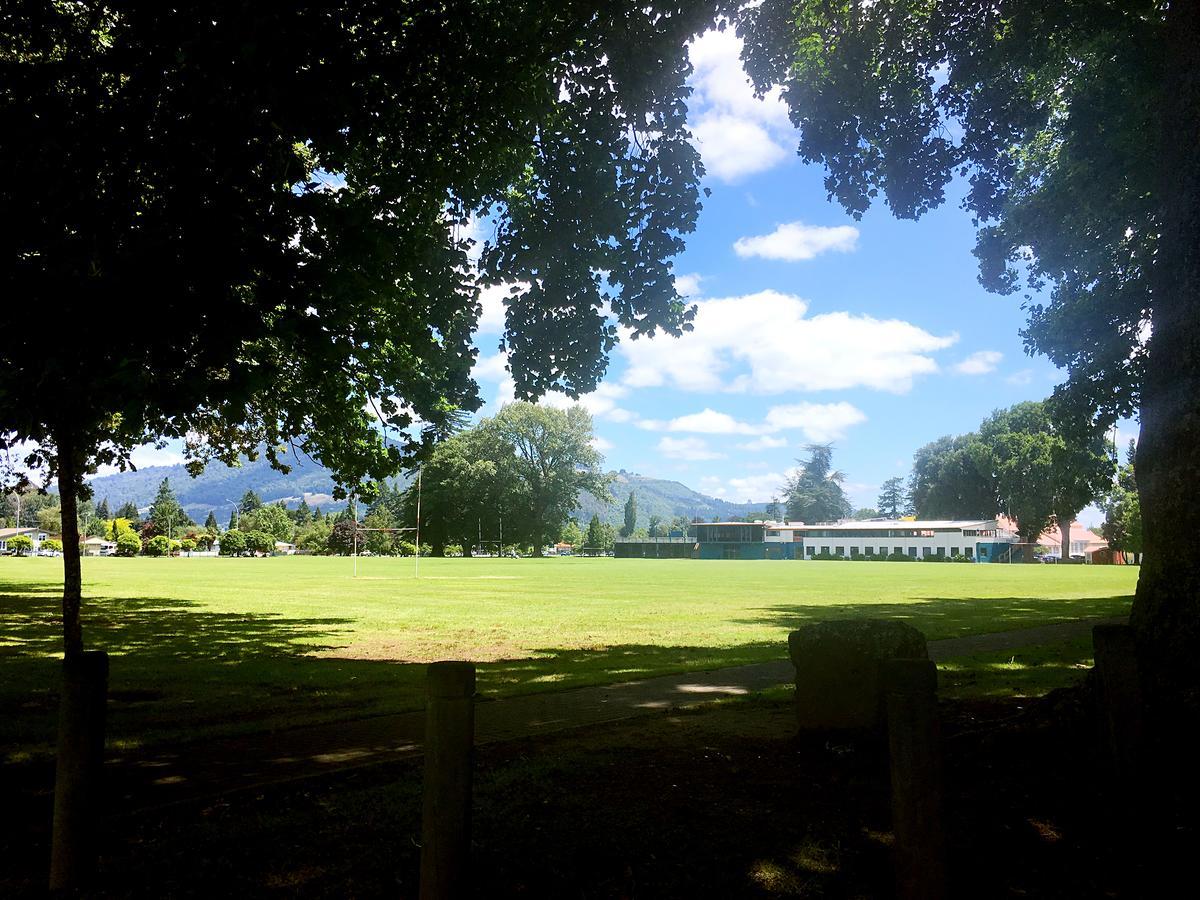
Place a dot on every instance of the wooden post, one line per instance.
(915, 760)
(446, 800)
(78, 769)
(1120, 699)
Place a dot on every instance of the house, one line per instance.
(95, 546)
(284, 548)
(1085, 544)
(34, 534)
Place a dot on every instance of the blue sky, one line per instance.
(812, 327)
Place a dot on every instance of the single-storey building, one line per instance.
(95, 546)
(34, 534)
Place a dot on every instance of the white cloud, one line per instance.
(737, 133)
(980, 363)
(794, 241)
(493, 367)
(601, 403)
(491, 320)
(689, 448)
(820, 422)
(766, 442)
(601, 445)
(766, 343)
(688, 285)
(1024, 376)
(709, 421)
(146, 456)
(746, 489)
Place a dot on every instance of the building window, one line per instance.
(839, 551)
(927, 552)
(954, 551)
(967, 552)
(825, 551)
(941, 551)
(912, 551)
(808, 551)
(869, 551)
(899, 551)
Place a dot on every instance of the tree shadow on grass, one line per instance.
(174, 667)
(947, 617)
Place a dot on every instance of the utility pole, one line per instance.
(417, 566)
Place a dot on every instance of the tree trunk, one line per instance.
(69, 482)
(1166, 611)
(1064, 530)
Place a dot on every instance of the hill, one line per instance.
(220, 487)
(657, 497)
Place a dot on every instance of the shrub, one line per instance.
(157, 546)
(20, 544)
(176, 546)
(406, 548)
(452, 550)
(900, 557)
(187, 545)
(128, 544)
(233, 543)
(52, 545)
(260, 542)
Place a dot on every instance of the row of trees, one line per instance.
(1019, 463)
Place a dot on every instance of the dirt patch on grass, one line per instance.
(410, 649)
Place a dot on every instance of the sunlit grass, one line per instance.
(208, 647)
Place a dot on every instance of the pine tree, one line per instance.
(891, 500)
(250, 502)
(128, 510)
(233, 520)
(210, 524)
(630, 516)
(166, 513)
(102, 512)
(302, 514)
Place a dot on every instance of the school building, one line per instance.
(978, 540)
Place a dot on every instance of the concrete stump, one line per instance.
(446, 798)
(838, 682)
(914, 752)
(77, 770)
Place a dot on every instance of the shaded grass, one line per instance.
(208, 647)
(1027, 672)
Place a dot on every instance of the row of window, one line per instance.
(810, 550)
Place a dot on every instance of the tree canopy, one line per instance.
(952, 479)
(307, 174)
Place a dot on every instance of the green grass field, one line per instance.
(203, 647)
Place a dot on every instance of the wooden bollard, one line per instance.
(914, 752)
(1120, 698)
(77, 771)
(446, 801)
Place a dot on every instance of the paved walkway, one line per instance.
(206, 769)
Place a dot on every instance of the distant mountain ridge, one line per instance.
(220, 487)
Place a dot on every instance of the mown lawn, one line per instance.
(202, 647)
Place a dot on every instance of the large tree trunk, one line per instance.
(1064, 531)
(1166, 612)
(69, 481)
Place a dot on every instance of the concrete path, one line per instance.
(140, 780)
